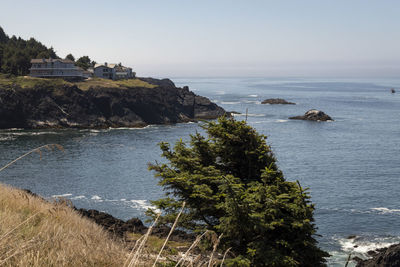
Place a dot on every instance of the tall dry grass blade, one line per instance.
(137, 253)
(37, 150)
(214, 249)
(223, 258)
(169, 234)
(133, 249)
(348, 260)
(17, 251)
(196, 241)
(19, 225)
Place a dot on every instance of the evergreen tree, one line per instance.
(16, 53)
(70, 57)
(3, 36)
(232, 185)
(84, 62)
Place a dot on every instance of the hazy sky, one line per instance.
(169, 38)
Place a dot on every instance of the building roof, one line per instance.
(111, 66)
(50, 60)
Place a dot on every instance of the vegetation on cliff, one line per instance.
(11, 81)
(16, 54)
(232, 185)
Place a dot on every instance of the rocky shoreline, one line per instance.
(67, 106)
(120, 228)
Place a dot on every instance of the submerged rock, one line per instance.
(277, 101)
(386, 257)
(313, 115)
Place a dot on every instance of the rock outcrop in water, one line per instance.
(313, 115)
(68, 106)
(277, 101)
(385, 257)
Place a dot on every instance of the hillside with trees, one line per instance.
(16, 54)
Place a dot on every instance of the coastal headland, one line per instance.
(34, 103)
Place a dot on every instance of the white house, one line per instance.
(113, 71)
(61, 68)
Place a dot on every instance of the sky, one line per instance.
(219, 38)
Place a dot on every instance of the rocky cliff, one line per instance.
(50, 106)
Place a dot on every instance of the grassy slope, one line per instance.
(30, 82)
(34, 232)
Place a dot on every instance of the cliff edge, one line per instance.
(43, 103)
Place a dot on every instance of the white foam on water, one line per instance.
(253, 95)
(230, 102)
(282, 120)
(41, 133)
(133, 128)
(78, 197)
(6, 138)
(142, 204)
(62, 195)
(384, 210)
(361, 246)
(249, 115)
(252, 102)
(97, 198)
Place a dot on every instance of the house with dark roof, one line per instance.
(57, 68)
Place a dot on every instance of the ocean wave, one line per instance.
(19, 133)
(252, 102)
(384, 210)
(248, 115)
(230, 102)
(252, 95)
(96, 198)
(78, 197)
(361, 245)
(7, 138)
(139, 204)
(142, 204)
(282, 120)
(62, 195)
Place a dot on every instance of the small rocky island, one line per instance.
(277, 101)
(34, 103)
(313, 115)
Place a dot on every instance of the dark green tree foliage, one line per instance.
(70, 57)
(16, 53)
(84, 62)
(232, 185)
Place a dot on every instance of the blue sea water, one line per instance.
(351, 165)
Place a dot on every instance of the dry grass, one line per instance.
(34, 232)
(106, 83)
(8, 81)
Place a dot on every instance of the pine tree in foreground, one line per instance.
(232, 185)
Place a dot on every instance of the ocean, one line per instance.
(351, 165)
